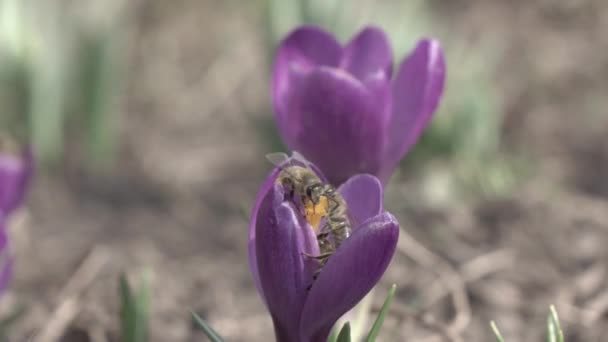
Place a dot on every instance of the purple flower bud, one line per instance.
(281, 242)
(342, 108)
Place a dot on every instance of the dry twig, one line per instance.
(475, 269)
(69, 297)
(451, 279)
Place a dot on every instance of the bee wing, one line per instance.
(282, 161)
(280, 158)
(277, 158)
(296, 156)
(299, 157)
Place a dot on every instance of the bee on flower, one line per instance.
(286, 249)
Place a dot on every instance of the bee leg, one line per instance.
(321, 257)
(322, 235)
(336, 228)
(336, 204)
(308, 255)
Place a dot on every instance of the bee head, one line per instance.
(314, 192)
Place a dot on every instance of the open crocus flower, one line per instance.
(341, 107)
(281, 243)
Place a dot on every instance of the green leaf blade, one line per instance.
(211, 334)
(496, 332)
(333, 337)
(344, 335)
(554, 330)
(134, 310)
(373, 333)
(127, 308)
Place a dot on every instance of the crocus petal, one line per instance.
(335, 124)
(282, 238)
(6, 260)
(301, 50)
(263, 193)
(417, 89)
(368, 54)
(349, 275)
(15, 173)
(364, 197)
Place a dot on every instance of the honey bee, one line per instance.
(301, 181)
(319, 200)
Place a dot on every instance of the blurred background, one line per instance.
(151, 119)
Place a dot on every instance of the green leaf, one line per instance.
(208, 330)
(554, 330)
(344, 335)
(134, 310)
(47, 112)
(143, 305)
(283, 16)
(126, 305)
(97, 91)
(333, 337)
(373, 333)
(7, 322)
(496, 332)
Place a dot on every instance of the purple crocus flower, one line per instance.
(15, 174)
(281, 242)
(342, 108)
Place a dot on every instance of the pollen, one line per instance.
(316, 212)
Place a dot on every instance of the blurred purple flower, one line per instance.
(341, 108)
(15, 174)
(279, 238)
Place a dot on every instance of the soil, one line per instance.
(191, 160)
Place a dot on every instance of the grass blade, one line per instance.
(554, 330)
(134, 310)
(496, 332)
(373, 333)
(127, 308)
(209, 332)
(333, 337)
(344, 335)
(143, 306)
